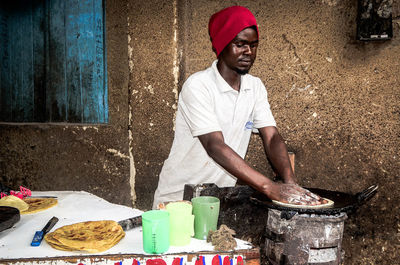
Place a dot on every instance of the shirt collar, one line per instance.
(222, 85)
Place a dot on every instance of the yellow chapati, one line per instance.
(56, 244)
(15, 202)
(91, 236)
(39, 204)
(330, 203)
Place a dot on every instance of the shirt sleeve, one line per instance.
(262, 112)
(197, 107)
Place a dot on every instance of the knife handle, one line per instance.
(37, 239)
(50, 224)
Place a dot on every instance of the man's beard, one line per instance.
(242, 72)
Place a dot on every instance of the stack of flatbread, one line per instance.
(28, 205)
(39, 204)
(13, 201)
(91, 236)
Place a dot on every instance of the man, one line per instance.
(217, 110)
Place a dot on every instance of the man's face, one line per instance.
(240, 53)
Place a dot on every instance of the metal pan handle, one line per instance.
(366, 194)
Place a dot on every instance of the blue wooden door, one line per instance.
(52, 66)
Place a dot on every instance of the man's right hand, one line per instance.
(221, 153)
(293, 194)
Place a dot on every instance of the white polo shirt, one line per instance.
(207, 103)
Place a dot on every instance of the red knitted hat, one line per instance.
(227, 23)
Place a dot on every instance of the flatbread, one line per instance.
(39, 204)
(13, 201)
(91, 236)
(56, 244)
(329, 204)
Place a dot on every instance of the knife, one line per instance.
(131, 223)
(37, 238)
(40, 197)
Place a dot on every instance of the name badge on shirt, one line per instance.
(249, 125)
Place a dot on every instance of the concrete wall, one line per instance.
(335, 99)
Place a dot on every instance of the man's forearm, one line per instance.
(235, 165)
(275, 149)
(226, 157)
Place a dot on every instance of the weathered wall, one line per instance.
(67, 157)
(153, 89)
(336, 102)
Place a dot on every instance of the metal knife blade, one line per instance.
(38, 237)
(131, 223)
(39, 197)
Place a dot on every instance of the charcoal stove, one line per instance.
(304, 238)
(306, 235)
(291, 235)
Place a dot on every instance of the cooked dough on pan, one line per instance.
(330, 203)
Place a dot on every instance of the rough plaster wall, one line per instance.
(68, 157)
(336, 102)
(152, 88)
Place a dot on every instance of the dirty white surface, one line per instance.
(79, 206)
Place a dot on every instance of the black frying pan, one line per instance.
(8, 217)
(343, 202)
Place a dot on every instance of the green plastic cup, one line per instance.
(206, 211)
(155, 226)
(181, 222)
